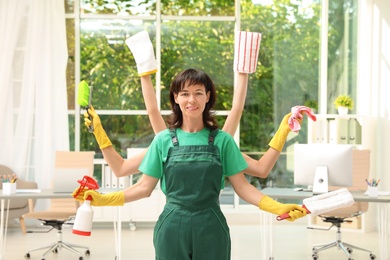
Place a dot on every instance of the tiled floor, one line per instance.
(290, 241)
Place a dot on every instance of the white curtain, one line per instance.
(33, 94)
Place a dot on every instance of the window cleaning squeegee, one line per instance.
(323, 203)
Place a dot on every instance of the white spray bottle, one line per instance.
(84, 217)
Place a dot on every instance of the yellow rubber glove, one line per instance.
(98, 130)
(78, 194)
(109, 199)
(277, 142)
(272, 206)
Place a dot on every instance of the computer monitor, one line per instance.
(323, 165)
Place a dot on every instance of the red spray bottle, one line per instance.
(84, 217)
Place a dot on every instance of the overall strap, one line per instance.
(212, 135)
(175, 141)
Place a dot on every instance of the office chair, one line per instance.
(337, 217)
(62, 211)
(18, 207)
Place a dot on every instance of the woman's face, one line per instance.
(192, 100)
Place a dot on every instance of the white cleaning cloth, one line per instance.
(323, 203)
(142, 49)
(246, 51)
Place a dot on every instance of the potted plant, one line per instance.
(343, 103)
(312, 104)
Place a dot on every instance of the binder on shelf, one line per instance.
(333, 136)
(132, 152)
(354, 132)
(124, 182)
(342, 129)
(114, 181)
(107, 177)
(320, 131)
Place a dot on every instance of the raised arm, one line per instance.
(247, 45)
(239, 96)
(142, 50)
(156, 120)
(262, 167)
(119, 166)
(259, 168)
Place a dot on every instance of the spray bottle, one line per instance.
(83, 222)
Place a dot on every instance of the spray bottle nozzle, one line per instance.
(88, 182)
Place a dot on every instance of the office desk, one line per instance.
(46, 194)
(288, 193)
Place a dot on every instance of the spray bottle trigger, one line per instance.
(89, 182)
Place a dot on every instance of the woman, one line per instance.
(191, 159)
(143, 52)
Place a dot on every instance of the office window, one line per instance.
(342, 51)
(203, 45)
(107, 64)
(201, 35)
(198, 8)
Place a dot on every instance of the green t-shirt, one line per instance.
(231, 158)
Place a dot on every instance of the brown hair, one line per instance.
(192, 77)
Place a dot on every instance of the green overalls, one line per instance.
(192, 225)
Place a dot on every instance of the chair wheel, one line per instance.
(315, 256)
(80, 258)
(87, 252)
(27, 256)
(55, 251)
(372, 256)
(350, 250)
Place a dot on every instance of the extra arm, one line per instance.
(258, 168)
(239, 96)
(149, 95)
(123, 167)
(245, 190)
(255, 197)
(142, 189)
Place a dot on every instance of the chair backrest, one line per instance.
(360, 172)
(67, 160)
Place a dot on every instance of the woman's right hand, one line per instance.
(98, 130)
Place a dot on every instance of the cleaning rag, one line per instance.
(323, 203)
(247, 46)
(326, 202)
(296, 113)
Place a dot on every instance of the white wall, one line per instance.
(380, 85)
(374, 83)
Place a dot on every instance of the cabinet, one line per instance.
(354, 130)
(336, 130)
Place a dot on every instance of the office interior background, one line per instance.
(310, 50)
